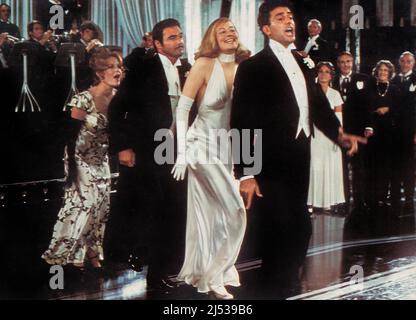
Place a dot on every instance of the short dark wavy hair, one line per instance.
(268, 6)
(158, 29)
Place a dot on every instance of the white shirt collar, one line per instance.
(167, 63)
(408, 74)
(277, 47)
(314, 38)
(5, 21)
(84, 42)
(347, 76)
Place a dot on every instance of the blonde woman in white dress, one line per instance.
(216, 218)
(326, 186)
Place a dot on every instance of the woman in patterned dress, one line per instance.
(79, 231)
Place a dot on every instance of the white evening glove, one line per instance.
(182, 118)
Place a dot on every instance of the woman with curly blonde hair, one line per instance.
(216, 218)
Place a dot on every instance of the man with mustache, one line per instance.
(275, 91)
(149, 200)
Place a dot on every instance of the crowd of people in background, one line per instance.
(380, 107)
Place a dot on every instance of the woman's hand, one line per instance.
(179, 169)
(350, 142)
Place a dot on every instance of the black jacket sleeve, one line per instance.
(119, 126)
(323, 116)
(243, 115)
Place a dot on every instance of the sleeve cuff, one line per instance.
(246, 178)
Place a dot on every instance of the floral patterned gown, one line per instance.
(81, 221)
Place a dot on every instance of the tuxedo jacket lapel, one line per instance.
(159, 78)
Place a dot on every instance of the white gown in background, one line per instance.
(216, 218)
(326, 183)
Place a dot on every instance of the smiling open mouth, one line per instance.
(231, 40)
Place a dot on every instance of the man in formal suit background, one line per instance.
(149, 199)
(6, 28)
(5, 25)
(404, 136)
(317, 47)
(146, 48)
(275, 91)
(356, 120)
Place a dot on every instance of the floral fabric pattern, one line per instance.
(81, 221)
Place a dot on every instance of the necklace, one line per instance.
(385, 92)
(226, 58)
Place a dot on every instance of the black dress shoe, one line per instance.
(163, 285)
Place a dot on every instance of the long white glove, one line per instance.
(182, 118)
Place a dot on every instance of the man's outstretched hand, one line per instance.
(249, 188)
(350, 141)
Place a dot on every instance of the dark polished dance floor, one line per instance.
(350, 258)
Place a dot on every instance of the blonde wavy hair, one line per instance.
(209, 46)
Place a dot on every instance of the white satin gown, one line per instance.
(216, 218)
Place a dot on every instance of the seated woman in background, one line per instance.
(326, 186)
(78, 233)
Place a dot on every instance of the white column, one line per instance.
(244, 14)
(193, 27)
(385, 13)
(413, 13)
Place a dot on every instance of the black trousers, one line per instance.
(378, 168)
(403, 167)
(148, 219)
(284, 224)
(358, 176)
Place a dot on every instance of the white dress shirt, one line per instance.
(298, 82)
(172, 75)
(406, 76)
(342, 77)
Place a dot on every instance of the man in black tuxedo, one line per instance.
(5, 25)
(149, 199)
(6, 28)
(147, 48)
(275, 91)
(404, 135)
(356, 120)
(317, 47)
(42, 72)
